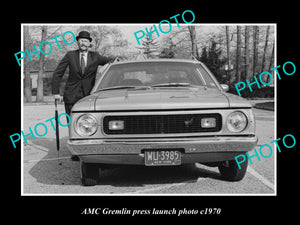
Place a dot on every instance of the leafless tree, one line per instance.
(228, 50)
(255, 48)
(40, 89)
(246, 54)
(192, 31)
(27, 80)
(238, 53)
(265, 49)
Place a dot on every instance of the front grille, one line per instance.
(162, 124)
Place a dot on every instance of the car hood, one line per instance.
(159, 98)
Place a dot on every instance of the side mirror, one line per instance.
(225, 87)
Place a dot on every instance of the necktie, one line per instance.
(82, 64)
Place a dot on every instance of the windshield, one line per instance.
(156, 74)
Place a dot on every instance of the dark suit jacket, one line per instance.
(78, 85)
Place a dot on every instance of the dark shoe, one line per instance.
(74, 158)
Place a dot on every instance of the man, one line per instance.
(83, 66)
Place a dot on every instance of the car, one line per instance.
(160, 112)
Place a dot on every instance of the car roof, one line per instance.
(156, 60)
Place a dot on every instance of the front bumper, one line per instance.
(131, 151)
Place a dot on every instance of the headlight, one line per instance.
(236, 121)
(86, 125)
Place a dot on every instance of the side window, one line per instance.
(204, 75)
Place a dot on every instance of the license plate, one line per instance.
(162, 157)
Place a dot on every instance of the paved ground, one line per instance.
(45, 173)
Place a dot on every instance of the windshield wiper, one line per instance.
(174, 85)
(120, 87)
(114, 88)
(147, 87)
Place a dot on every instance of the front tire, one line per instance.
(89, 173)
(231, 172)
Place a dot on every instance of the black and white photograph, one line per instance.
(151, 112)
(155, 109)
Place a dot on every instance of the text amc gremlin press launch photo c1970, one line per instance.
(160, 112)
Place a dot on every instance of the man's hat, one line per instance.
(84, 34)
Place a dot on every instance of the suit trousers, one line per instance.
(68, 108)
